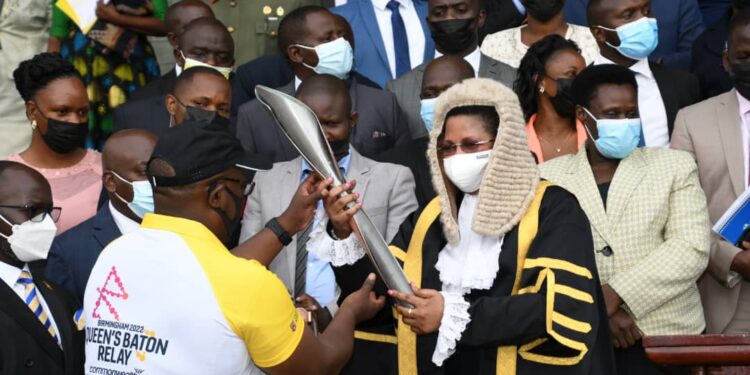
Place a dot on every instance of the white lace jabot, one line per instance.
(471, 264)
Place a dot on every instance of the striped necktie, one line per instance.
(300, 271)
(31, 297)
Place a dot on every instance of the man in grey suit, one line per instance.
(455, 28)
(715, 132)
(312, 39)
(385, 190)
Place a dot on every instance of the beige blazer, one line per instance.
(656, 224)
(387, 194)
(710, 131)
(24, 31)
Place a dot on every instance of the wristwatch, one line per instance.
(280, 233)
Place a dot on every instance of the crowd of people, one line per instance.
(546, 173)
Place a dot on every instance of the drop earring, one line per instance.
(541, 89)
(33, 125)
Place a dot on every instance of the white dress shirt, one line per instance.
(473, 59)
(10, 276)
(650, 103)
(414, 32)
(744, 106)
(124, 223)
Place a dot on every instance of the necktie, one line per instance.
(300, 269)
(31, 297)
(400, 42)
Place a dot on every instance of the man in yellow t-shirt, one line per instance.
(169, 298)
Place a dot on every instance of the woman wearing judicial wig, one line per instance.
(502, 263)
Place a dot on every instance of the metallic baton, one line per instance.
(299, 123)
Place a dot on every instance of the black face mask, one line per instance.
(63, 137)
(340, 148)
(562, 101)
(454, 36)
(205, 116)
(232, 225)
(741, 78)
(543, 10)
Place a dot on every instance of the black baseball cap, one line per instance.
(197, 151)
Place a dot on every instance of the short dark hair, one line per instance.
(205, 21)
(488, 114)
(740, 4)
(186, 77)
(739, 20)
(36, 73)
(325, 85)
(170, 18)
(293, 25)
(534, 64)
(586, 85)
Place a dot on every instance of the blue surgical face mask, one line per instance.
(143, 196)
(637, 39)
(335, 58)
(617, 137)
(426, 111)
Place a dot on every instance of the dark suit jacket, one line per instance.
(678, 89)
(156, 88)
(408, 87)
(707, 55)
(74, 253)
(381, 125)
(26, 347)
(413, 156)
(148, 114)
(501, 15)
(270, 71)
(680, 23)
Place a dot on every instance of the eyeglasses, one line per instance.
(469, 148)
(38, 214)
(247, 188)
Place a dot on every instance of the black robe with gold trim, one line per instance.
(554, 322)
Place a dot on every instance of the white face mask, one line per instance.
(467, 170)
(31, 241)
(143, 196)
(189, 63)
(335, 58)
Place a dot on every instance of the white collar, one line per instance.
(124, 223)
(641, 66)
(381, 4)
(10, 274)
(474, 262)
(474, 59)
